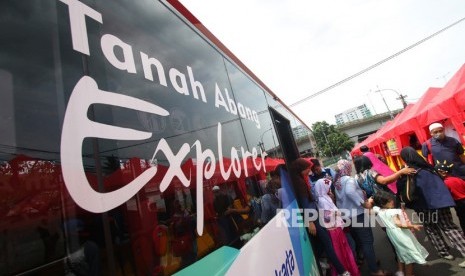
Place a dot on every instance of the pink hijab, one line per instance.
(382, 169)
(344, 169)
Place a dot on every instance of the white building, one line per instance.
(353, 114)
(300, 132)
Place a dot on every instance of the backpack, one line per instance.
(369, 185)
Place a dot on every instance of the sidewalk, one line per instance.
(435, 266)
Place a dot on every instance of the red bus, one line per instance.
(120, 120)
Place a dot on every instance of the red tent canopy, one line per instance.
(436, 105)
(356, 150)
(409, 122)
(272, 163)
(366, 142)
(380, 134)
(402, 118)
(460, 97)
(459, 94)
(387, 132)
(444, 105)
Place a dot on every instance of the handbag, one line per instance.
(407, 188)
(408, 194)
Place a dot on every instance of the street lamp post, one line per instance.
(371, 103)
(384, 100)
(262, 145)
(400, 96)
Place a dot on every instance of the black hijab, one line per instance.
(362, 163)
(414, 160)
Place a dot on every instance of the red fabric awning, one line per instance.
(444, 105)
(409, 122)
(380, 134)
(436, 104)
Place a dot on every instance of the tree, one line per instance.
(330, 140)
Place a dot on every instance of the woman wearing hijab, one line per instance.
(333, 222)
(432, 203)
(364, 169)
(300, 168)
(349, 196)
(380, 167)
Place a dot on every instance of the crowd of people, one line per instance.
(344, 199)
(366, 186)
(239, 222)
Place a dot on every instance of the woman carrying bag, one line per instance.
(432, 204)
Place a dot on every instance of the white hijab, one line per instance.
(325, 202)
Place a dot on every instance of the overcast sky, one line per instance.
(300, 47)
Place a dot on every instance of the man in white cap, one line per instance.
(228, 217)
(442, 147)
